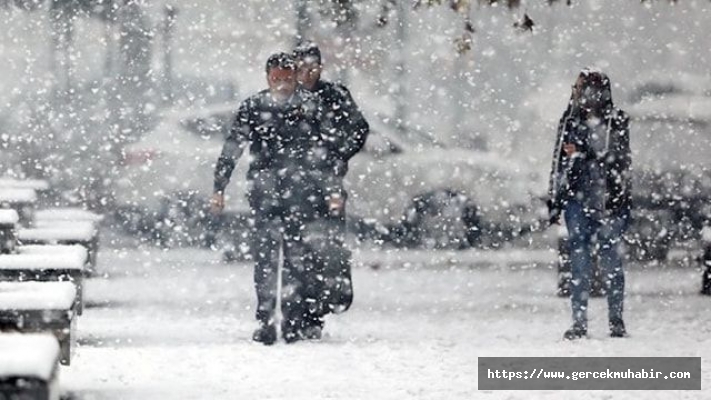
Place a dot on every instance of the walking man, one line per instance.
(344, 132)
(278, 126)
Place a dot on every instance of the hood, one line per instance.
(590, 76)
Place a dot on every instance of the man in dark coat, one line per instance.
(278, 125)
(345, 125)
(344, 132)
(590, 185)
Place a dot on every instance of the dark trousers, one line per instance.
(276, 229)
(316, 273)
(583, 228)
(273, 233)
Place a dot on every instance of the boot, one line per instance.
(265, 334)
(577, 331)
(617, 328)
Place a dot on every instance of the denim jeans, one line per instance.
(589, 235)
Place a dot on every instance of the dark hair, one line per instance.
(306, 50)
(280, 60)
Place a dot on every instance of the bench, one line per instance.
(8, 232)
(40, 307)
(82, 233)
(38, 185)
(21, 200)
(29, 365)
(68, 214)
(47, 264)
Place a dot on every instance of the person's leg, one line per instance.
(580, 229)
(333, 256)
(706, 267)
(265, 242)
(610, 239)
(294, 301)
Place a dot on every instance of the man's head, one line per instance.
(592, 91)
(309, 67)
(281, 76)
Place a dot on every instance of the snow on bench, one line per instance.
(47, 233)
(29, 366)
(72, 251)
(50, 264)
(15, 196)
(34, 184)
(82, 233)
(38, 307)
(21, 200)
(9, 217)
(8, 237)
(67, 214)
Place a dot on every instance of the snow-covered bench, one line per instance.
(22, 200)
(84, 233)
(29, 365)
(40, 307)
(69, 214)
(8, 227)
(38, 185)
(47, 264)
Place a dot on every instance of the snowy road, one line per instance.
(176, 325)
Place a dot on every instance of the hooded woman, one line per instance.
(590, 187)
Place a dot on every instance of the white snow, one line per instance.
(58, 231)
(9, 217)
(677, 108)
(34, 184)
(73, 252)
(15, 195)
(28, 355)
(468, 258)
(177, 324)
(37, 295)
(67, 214)
(50, 258)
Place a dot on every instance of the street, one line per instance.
(177, 324)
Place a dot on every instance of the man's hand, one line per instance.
(570, 149)
(217, 203)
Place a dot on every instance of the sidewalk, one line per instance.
(177, 325)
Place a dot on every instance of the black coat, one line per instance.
(599, 176)
(344, 128)
(278, 135)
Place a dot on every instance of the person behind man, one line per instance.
(278, 125)
(344, 133)
(347, 128)
(590, 185)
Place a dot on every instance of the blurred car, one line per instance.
(425, 194)
(166, 176)
(407, 189)
(671, 142)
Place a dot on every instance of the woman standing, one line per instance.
(590, 187)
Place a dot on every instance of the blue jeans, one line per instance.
(583, 228)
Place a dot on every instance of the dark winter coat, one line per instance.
(278, 136)
(599, 174)
(345, 129)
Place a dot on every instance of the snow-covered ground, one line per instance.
(177, 324)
